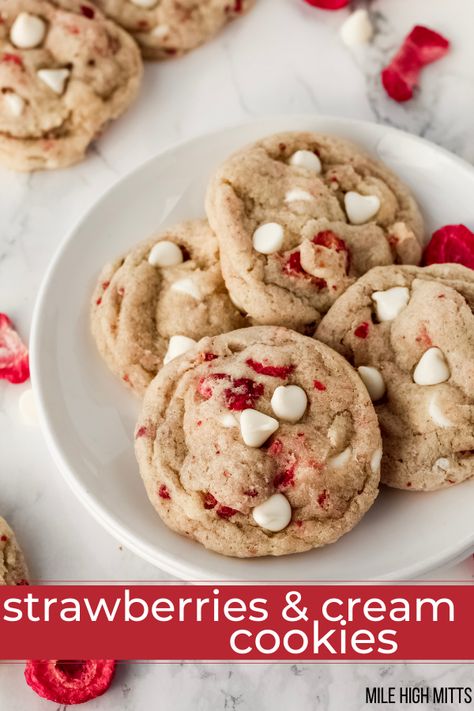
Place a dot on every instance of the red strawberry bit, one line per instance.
(275, 448)
(87, 12)
(205, 384)
(209, 356)
(299, 523)
(328, 4)
(323, 499)
(69, 682)
(251, 492)
(209, 501)
(225, 512)
(3, 538)
(14, 58)
(163, 492)
(318, 385)
(362, 330)
(421, 47)
(424, 337)
(14, 364)
(141, 432)
(242, 394)
(330, 240)
(275, 371)
(292, 267)
(452, 243)
(285, 478)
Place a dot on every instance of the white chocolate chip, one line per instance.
(297, 194)
(442, 463)
(340, 460)
(145, 3)
(256, 427)
(15, 103)
(177, 346)
(268, 238)
(55, 79)
(27, 31)
(357, 29)
(360, 208)
(373, 381)
(375, 461)
(436, 413)
(160, 31)
(306, 159)
(187, 286)
(228, 420)
(432, 368)
(289, 402)
(274, 514)
(389, 303)
(27, 407)
(165, 254)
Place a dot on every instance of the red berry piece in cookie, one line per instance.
(288, 446)
(70, 682)
(328, 4)
(14, 365)
(421, 47)
(452, 244)
(412, 349)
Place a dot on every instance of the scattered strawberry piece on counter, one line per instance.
(14, 365)
(69, 682)
(451, 244)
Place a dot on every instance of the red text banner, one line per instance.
(169, 622)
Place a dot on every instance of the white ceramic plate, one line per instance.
(89, 418)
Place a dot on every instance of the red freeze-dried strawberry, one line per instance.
(452, 243)
(328, 4)
(292, 267)
(276, 371)
(14, 365)
(285, 478)
(318, 385)
(422, 46)
(87, 12)
(69, 682)
(243, 393)
(163, 492)
(14, 58)
(362, 330)
(205, 384)
(209, 501)
(225, 512)
(329, 239)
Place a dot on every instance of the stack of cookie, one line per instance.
(68, 67)
(286, 342)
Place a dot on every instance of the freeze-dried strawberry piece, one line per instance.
(275, 371)
(285, 478)
(329, 239)
(225, 512)
(243, 393)
(421, 47)
(14, 58)
(328, 4)
(14, 364)
(452, 243)
(318, 385)
(163, 492)
(362, 330)
(205, 384)
(209, 501)
(292, 267)
(69, 682)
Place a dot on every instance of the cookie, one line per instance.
(170, 28)
(410, 333)
(259, 442)
(63, 76)
(299, 216)
(158, 300)
(13, 570)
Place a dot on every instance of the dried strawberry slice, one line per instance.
(452, 243)
(69, 682)
(328, 4)
(243, 393)
(14, 365)
(275, 371)
(422, 46)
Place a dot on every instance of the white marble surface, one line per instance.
(283, 58)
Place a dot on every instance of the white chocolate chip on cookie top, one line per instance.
(27, 31)
(267, 440)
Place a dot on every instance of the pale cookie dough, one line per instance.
(259, 442)
(410, 332)
(63, 77)
(143, 313)
(299, 216)
(13, 570)
(170, 28)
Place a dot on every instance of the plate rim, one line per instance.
(120, 531)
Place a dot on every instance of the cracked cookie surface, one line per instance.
(137, 307)
(63, 76)
(169, 28)
(299, 216)
(13, 570)
(259, 442)
(411, 330)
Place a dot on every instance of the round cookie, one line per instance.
(410, 331)
(299, 216)
(63, 76)
(259, 442)
(170, 28)
(13, 570)
(143, 313)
